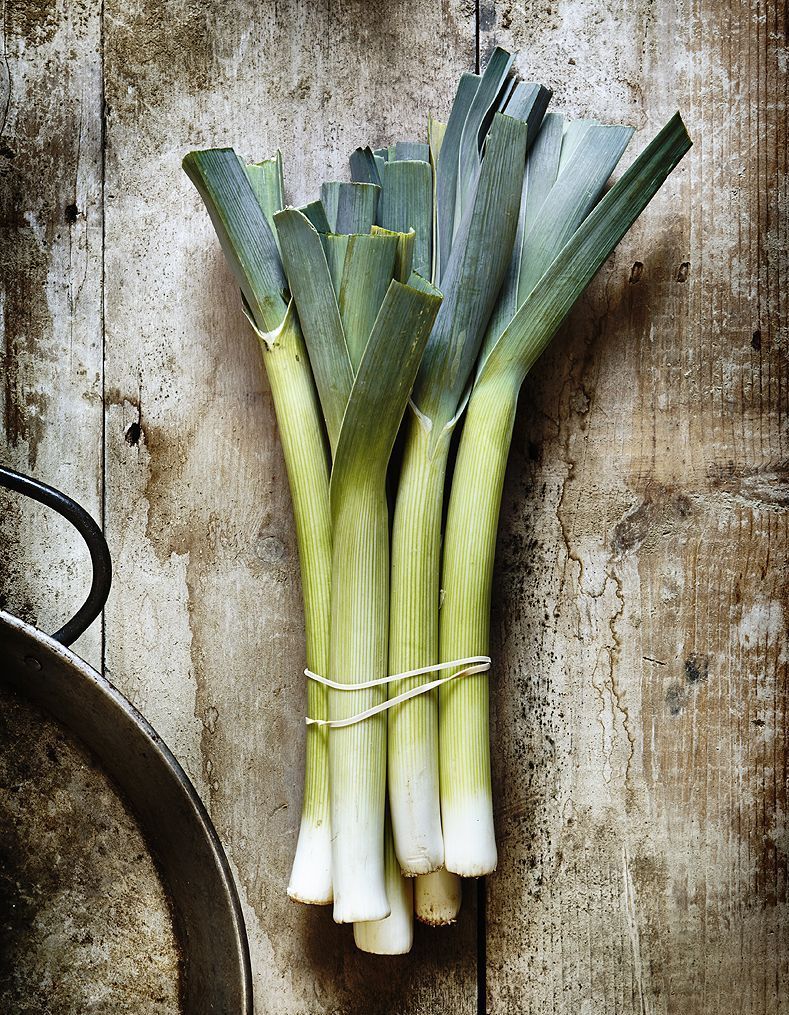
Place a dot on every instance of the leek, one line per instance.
(240, 220)
(477, 266)
(360, 597)
(365, 347)
(435, 278)
(470, 541)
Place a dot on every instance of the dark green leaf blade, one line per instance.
(240, 223)
(407, 203)
(310, 283)
(570, 200)
(405, 252)
(447, 171)
(382, 386)
(542, 166)
(330, 199)
(484, 99)
(335, 247)
(477, 267)
(266, 181)
(363, 167)
(357, 204)
(367, 273)
(529, 102)
(412, 151)
(553, 297)
(316, 213)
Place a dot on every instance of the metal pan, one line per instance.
(206, 914)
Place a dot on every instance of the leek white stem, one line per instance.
(395, 934)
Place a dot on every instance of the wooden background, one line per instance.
(641, 604)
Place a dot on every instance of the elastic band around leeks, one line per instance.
(469, 666)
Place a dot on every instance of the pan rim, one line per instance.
(201, 819)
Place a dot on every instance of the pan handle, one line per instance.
(94, 539)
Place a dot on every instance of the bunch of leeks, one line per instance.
(420, 292)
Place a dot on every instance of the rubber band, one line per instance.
(469, 666)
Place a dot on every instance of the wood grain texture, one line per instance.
(205, 632)
(640, 723)
(50, 298)
(640, 606)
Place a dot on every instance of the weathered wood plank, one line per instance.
(50, 298)
(640, 719)
(641, 613)
(205, 633)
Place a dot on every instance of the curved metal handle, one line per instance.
(94, 540)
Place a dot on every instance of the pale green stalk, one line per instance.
(298, 417)
(470, 539)
(472, 280)
(360, 598)
(469, 548)
(413, 632)
(241, 201)
(360, 588)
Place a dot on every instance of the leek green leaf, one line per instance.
(316, 213)
(356, 207)
(570, 200)
(330, 198)
(381, 388)
(435, 134)
(447, 172)
(579, 259)
(350, 207)
(368, 270)
(574, 130)
(474, 275)
(407, 203)
(541, 167)
(529, 102)
(240, 223)
(265, 178)
(411, 151)
(484, 99)
(405, 252)
(417, 281)
(319, 316)
(363, 167)
(502, 100)
(335, 247)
